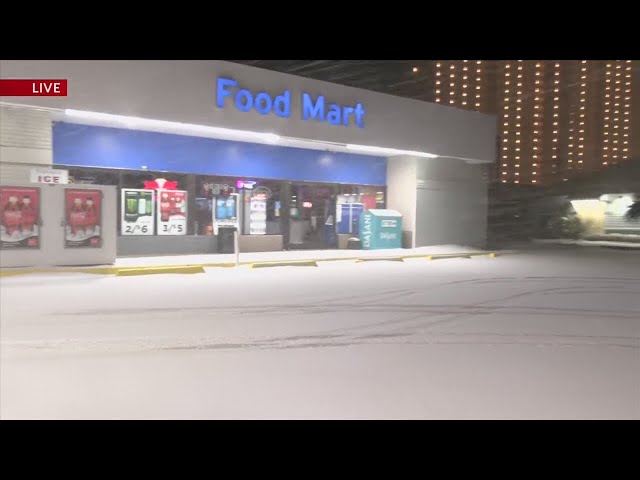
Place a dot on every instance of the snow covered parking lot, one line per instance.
(543, 334)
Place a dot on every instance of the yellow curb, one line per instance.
(94, 270)
(309, 263)
(492, 255)
(449, 256)
(13, 273)
(187, 269)
(444, 255)
(380, 259)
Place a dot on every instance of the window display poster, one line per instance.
(172, 212)
(258, 217)
(83, 210)
(20, 214)
(137, 212)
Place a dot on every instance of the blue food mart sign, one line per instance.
(317, 109)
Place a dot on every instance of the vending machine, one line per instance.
(226, 221)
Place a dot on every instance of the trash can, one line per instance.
(354, 244)
(226, 240)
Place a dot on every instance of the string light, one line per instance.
(535, 93)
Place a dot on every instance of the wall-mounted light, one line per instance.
(388, 151)
(124, 121)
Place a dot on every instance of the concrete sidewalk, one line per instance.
(197, 263)
(288, 256)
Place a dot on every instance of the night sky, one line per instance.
(395, 77)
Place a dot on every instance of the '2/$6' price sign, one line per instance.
(137, 212)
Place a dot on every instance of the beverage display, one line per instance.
(137, 212)
(231, 207)
(131, 205)
(165, 207)
(91, 215)
(29, 214)
(221, 209)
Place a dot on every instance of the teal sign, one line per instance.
(380, 229)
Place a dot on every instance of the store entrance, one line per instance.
(311, 216)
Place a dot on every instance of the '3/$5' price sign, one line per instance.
(172, 212)
(137, 212)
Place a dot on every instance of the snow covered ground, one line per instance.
(544, 334)
(590, 243)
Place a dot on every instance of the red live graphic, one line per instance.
(32, 88)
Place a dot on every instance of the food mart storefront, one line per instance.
(280, 197)
(218, 128)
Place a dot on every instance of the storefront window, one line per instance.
(262, 207)
(306, 214)
(207, 188)
(179, 207)
(370, 197)
(94, 176)
(138, 179)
